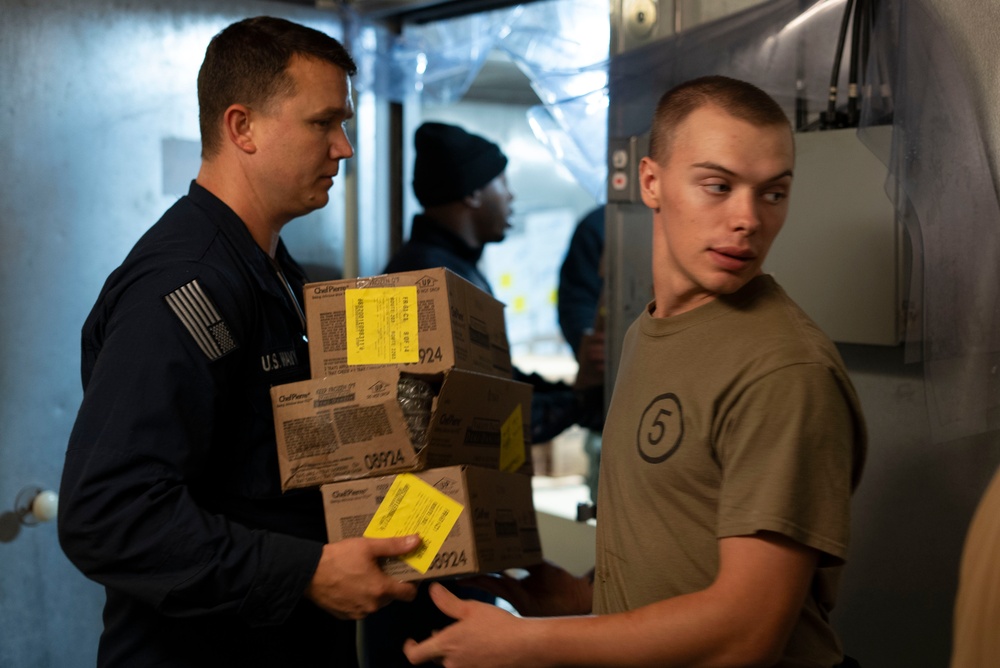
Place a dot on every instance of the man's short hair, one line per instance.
(737, 98)
(247, 63)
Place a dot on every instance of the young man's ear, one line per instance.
(237, 127)
(649, 183)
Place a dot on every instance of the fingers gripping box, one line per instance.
(355, 425)
(430, 321)
(470, 519)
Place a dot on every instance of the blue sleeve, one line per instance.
(580, 280)
(132, 516)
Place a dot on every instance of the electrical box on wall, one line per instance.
(839, 253)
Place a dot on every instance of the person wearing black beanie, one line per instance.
(459, 179)
(452, 163)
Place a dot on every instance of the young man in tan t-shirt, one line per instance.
(733, 440)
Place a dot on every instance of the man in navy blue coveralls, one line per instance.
(170, 493)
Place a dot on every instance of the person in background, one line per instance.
(581, 279)
(459, 179)
(976, 640)
(170, 495)
(580, 307)
(733, 442)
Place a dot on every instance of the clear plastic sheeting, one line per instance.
(785, 47)
(560, 45)
(371, 46)
(433, 62)
(945, 193)
(576, 134)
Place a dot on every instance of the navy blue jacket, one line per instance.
(431, 245)
(170, 495)
(580, 281)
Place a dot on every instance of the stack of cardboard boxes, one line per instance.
(411, 422)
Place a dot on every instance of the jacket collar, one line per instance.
(236, 232)
(427, 230)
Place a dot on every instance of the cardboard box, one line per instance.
(352, 425)
(443, 322)
(496, 529)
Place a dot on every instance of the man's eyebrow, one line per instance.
(719, 168)
(778, 177)
(714, 167)
(344, 112)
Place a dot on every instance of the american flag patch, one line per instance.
(202, 320)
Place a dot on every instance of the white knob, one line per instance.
(45, 506)
(35, 505)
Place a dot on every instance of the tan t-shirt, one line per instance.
(977, 605)
(730, 419)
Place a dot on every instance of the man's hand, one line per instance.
(478, 638)
(349, 583)
(547, 591)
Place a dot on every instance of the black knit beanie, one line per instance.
(452, 163)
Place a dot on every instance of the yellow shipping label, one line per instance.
(512, 441)
(412, 506)
(382, 325)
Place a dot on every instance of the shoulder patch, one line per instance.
(201, 318)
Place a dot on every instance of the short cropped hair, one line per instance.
(737, 98)
(247, 63)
